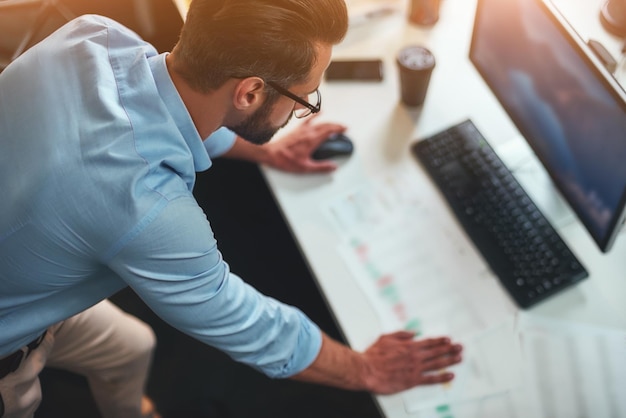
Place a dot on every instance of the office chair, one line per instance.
(26, 22)
(23, 23)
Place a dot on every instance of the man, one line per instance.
(101, 138)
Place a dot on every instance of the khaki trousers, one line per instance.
(111, 348)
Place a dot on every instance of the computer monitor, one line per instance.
(570, 110)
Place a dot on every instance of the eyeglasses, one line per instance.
(307, 108)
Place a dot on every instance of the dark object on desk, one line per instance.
(336, 145)
(355, 70)
(517, 241)
(613, 17)
(424, 12)
(603, 55)
(415, 65)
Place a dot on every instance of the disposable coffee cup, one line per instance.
(415, 65)
(424, 12)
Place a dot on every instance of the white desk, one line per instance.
(383, 129)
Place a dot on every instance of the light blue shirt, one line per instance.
(98, 156)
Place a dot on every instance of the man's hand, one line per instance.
(292, 151)
(396, 362)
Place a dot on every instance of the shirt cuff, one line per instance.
(307, 348)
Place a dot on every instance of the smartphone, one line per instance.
(358, 70)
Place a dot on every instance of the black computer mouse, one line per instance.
(336, 145)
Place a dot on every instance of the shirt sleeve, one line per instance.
(174, 265)
(219, 142)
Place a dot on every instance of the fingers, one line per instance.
(323, 166)
(438, 352)
(433, 354)
(402, 335)
(433, 342)
(435, 350)
(441, 361)
(431, 379)
(327, 129)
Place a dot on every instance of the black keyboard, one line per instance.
(517, 241)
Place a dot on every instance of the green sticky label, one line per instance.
(414, 325)
(443, 408)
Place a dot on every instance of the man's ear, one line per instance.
(249, 94)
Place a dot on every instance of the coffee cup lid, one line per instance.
(416, 58)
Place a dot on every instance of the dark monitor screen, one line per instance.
(569, 109)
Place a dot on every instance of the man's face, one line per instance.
(257, 127)
(261, 126)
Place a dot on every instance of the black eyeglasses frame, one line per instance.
(309, 106)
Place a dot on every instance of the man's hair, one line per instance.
(272, 39)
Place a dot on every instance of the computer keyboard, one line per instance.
(517, 241)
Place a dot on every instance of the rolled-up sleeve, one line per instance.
(175, 267)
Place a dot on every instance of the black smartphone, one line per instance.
(358, 70)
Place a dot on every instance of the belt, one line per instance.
(12, 362)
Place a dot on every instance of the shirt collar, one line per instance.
(178, 111)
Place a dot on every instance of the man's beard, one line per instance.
(256, 128)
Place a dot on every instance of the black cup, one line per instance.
(415, 65)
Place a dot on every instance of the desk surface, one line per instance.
(382, 130)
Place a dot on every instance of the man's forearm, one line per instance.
(336, 365)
